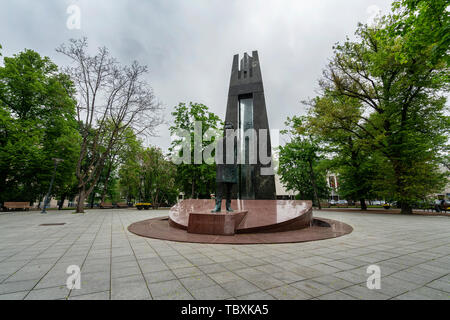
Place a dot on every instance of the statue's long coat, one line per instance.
(227, 172)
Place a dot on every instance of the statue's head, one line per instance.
(228, 125)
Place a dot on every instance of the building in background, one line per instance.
(332, 182)
(282, 192)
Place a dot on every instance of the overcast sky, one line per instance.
(188, 45)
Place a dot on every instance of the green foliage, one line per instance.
(334, 119)
(157, 176)
(389, 84)
(300, 163)
(149, 176)
(195, 180)
(37, 124)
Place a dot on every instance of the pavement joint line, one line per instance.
(41, 253)
(58, 260)
(134, 254)
(427, 250)
(89, 250)
(36, 242)
(110, 255)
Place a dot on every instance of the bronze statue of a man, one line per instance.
(226, 172)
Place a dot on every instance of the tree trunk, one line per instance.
(406, 208)
(313, 181)
(363, 204)
(91, 202)
(81, 198)
(398, 170)
(155, 202)
(61, 202)
(102, 199)
(105, 187)
(39, 203)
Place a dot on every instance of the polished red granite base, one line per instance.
(159, 228)
(224, 224)
(262, 215)
(252, 222)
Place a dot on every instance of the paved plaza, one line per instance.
(413, 253)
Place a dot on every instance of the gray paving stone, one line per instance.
(210, 293)
(340, 265)
(11, 287)
(197, 282)
(153, 267)
(234, 265)
(92, 296)
(264, 281)
(312, 288)
(130, 288)
(326, 269)
(393, 286)
(420, 279)
(333, 282)
(176, 296)
(363, 293)
(55, 293)
(440, 285)
(352, 276)
(92, 283)
(212, 268)
(412, 252)
(288, 292)
(14, 296)
(159, 276)
(224, 277)
(240, 287)
(424, 293)
(336, 295)
(51, 280)
(260, 295)
(249, 272)
(171, 288)
(287, 277)
(118, 272)
(187, 272)
(201, 261)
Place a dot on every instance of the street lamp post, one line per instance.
(56, 160)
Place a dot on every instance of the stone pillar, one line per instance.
(246, 83)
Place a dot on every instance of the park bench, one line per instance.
(16, 205)
(106, 205)
(121, 205)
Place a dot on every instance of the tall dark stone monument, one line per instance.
(246, 109)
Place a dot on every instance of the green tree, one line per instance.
(129, 177)
(157, 176)
(121, 151)
(37, 124)
(148, 176)
(335, 120)
(300, 163)
(196, 180)
(398, 71)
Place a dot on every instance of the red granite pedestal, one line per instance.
(252, 222)
(262, 215)
(215, 223)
